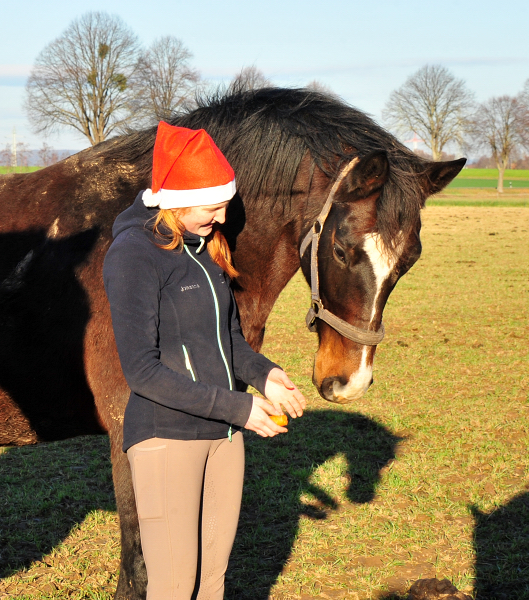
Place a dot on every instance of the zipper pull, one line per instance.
(230, 434)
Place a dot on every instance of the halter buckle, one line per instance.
(312, 315)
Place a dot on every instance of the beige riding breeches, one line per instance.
(188, 497)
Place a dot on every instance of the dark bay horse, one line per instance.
(59, 371)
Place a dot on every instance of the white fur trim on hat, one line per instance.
(187, 198)
(149, 199)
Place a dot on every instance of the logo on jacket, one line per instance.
(193, 286)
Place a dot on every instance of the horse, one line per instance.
(292, 150)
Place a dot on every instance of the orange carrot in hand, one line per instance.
(281, 420)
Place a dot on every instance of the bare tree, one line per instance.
(483, 162)
(317, 86)
(433, 104)
(22, 155)
(47, 155)
(5, 156)
(250, 78)
(164, 81)
(498, 126)
(81, 80)
(523, 115)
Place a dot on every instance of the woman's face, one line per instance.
(200, 219)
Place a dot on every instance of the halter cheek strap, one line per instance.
(317, 310)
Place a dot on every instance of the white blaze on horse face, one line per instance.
(382, 264)
(358, 382)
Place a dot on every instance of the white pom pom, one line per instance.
(150, 199)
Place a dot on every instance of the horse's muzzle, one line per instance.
(339, 390)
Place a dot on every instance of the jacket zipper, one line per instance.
(188, 363)
(215, 301)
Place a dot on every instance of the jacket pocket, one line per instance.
(189, 363)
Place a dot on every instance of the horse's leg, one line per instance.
(111, 394)
(132, 583)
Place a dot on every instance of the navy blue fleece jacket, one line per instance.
(178, 337)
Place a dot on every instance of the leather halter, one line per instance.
(317, 310)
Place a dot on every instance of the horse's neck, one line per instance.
(266, 257)
(267, 250)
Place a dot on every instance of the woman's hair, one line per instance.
(217, 245)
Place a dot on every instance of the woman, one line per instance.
(181, 349)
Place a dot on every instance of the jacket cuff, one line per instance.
(231, 407)
(244, 408)
(257, 371)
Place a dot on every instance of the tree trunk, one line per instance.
(501, 171)
(435, 150)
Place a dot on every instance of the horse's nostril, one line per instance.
(371, 382)
(327, 390)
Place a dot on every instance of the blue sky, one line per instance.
(362, 50)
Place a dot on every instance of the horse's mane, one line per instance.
(265, 134)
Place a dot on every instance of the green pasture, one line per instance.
(489, 183)
(488, 178)
(8, 170)
(426, 475)
(480, 197)
(493, 174)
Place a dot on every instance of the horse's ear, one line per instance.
(439, 174)
(365, 178)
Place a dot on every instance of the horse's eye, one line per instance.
(339, 253)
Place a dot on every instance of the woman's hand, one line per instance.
(280, 390)
(260, 422)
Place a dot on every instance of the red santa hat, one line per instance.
(188, 170)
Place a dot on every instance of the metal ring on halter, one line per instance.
(312, 315)
(317, 310)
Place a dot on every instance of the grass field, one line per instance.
(508, 184)
(427, 475)
(480, 197)
(488, 178)
(493, 174)
(7, 170)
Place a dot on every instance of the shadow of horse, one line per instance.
(278, 475)
(46, 490)
(501, 546)
(49, 488)
(501, 542)
(44, 311)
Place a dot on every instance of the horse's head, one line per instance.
(358, 270)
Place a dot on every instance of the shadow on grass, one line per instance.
(501, 541)
(47, 489)
(501, 545)
(278, 472)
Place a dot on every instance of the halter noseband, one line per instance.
(317, 310)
